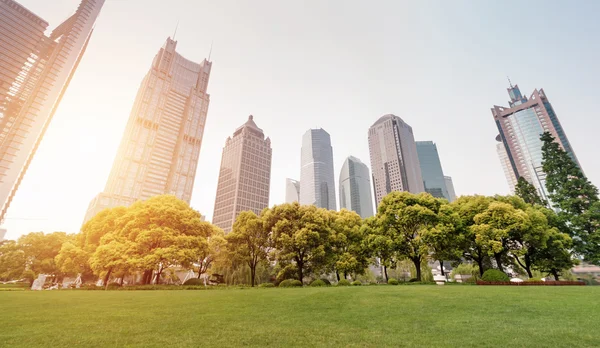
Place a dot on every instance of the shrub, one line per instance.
(296, 283)
(413, 280)
(465, 269)
(343, 282)
(326, 281)
(357, 283)
(290, 283)
(266, 285)
(494, 275)
(114, 286)
(393, 281)
(534, 280)
(318, 282)
(194, 281)
(472, 280)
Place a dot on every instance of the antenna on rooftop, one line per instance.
(509, 82)
(175, 33)
(210, 52)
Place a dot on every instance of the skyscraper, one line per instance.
(506, 166)
(245, 175)
(35, 71)
(292, 190)
(394, 160)
(450, 187)
(161, 144)
(521, 126)
(431, 169)
(355, 187)
(317, 182)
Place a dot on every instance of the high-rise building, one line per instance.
(506, 166)
(317, 182)
(431, 169)
(35, 71)
(161, 144)
(292, 190)
(355, 187)
(450, 187)
(521, 126)
(245, 175)
(394, 160)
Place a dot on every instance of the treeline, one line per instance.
(152, 238)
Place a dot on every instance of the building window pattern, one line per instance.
(317, 181)
(355, 187)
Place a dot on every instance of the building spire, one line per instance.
(176, 27)
(509, 82)
(210, 52)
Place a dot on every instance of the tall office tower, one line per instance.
(35, 71)
(245, 175)
(450, 187)
(520, 127)
(506, 166)
(161, 144)
(292, 190)
(394, 160)
(431, 169)
(317, 182)
(355, 187)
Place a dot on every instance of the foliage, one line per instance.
(318, 282)
(249, 241)
(348, 253)
(465, 269)
(357, 283)
(266, 285)
(296, 283)
(286, 283)
(528, 192)
(194, 281)
(393, 281)
(494, 275)
(443, 240)
(12, 260)
(343, 282)
(326, 281)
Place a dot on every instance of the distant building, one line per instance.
(292, 190)
(431, 169)
(317, 182)
(520, 126)
(2, 234)
(245, 175)
(450, 188)
(355, 187)
(35, 71)
(161, 144)
(394, 160)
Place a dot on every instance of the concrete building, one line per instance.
(431, 169)
(520, 126)
(394, 160)
(245, 175)
(35, 71)
(317, 182)
(450, 188)
(355, 187)
(161, 144)
(292, 190)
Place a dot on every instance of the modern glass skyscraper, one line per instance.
(431, 169)
(317, 182)
(292, 190)
(506, 165)
(521, 126)
(450, 188)
(394, 160)
(35, 71)
(355, 187)
(161, 144)
(245, 175)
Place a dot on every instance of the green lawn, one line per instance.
(368, 316)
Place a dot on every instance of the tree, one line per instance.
(348, 253)
(215, 249)
(249, 241)
(40, 250)
(301, 237)
(555, 257)
(378, 244)
(444, 240)
(405, 218)
(528, 192)
(575, 197)
(12, 260)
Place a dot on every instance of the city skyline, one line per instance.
(343, 89)
(317, 174)
(431, 169)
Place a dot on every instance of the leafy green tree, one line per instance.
(378, 244)
(12, 260)
(111, 256)
(40, 251)
(249, 241)
(348, 254)
(528, 192)
(215, 250)
(444, 240)
(406, 218)
(555, 258)
(575, 197)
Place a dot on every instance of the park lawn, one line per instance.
(367, 316)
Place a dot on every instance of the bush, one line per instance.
(297, 283)
(471, 280)
(534, 280)
(343, 282)
(413, 280)
(194, 281)
(465, 269)
(290, 283)
(357, 283)
(114, 286)
(326, 281)
(494, 275)
(266, 285)
(393, 281)
(318, 282)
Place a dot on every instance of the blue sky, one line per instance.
(339, 65)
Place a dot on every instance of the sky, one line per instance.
(337, 65)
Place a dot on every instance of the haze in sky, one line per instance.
(339, 65)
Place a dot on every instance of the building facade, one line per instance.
(292, 190)
(161, 144)
(317, 181)
(520, 126)
(394, 160)
(35, 71)
(506, 166)
(245, 175)
(355, 187)
(450, 188)
(431, 169)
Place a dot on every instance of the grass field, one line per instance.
(368, 316)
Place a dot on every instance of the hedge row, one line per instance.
(546, 283)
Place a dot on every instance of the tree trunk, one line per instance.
(107, 277)
(147, 278)
(498, 258)
(253, 274)
(385, 272)
(417, 262)
(525, 266)
(300, 271)
(122, 278)
(555, 274)
(337, 274)
(345, 275)
(442, 267)
(528, 265)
